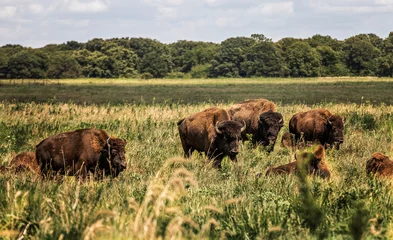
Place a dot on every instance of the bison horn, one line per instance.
(281, 120)
(216, 128)
(244, 126)
(107, 141)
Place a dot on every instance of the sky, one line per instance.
(36, 23)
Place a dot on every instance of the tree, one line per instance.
(63, 65)
(154, 57)
(29, 63)
(230, 56)
(303, 60)
(125, 60)
(187, 54)
(360, 55)
(320, 40)
(331, 64)
(263, 59)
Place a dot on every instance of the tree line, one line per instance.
(254, 56)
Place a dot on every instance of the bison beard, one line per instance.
(81, 151)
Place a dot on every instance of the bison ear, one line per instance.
(319, 152)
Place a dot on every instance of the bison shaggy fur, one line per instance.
(319, 126)
(25, 161)
(212, 132)
(379, 165)
(262, 120)
(80, 152)
(313, 162)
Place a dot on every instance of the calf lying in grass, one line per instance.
(313, 162)
(379, 165)
(25, 161)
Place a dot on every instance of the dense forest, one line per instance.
(255, 56)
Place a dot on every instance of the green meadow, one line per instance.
(163, 196)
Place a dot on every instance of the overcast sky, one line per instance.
(39, 22)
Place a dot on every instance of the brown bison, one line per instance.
(25, 161)
(379, 165)
(80, 152)
(212, 132)
(318, 126)
(314, 163)
(262, 121)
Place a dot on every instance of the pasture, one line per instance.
(162, 195)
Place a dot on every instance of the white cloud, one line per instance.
(276, 8)
(224, 21)
(7, 12)
(36, 8)
(167, 12)
(74, 23)
(89, 6)
(384, 2)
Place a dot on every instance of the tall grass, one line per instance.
(157, 198)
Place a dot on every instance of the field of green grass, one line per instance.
(163, 196)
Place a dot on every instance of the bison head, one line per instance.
(115, 154)
(336, 126)
(228, 135)
(270, 124)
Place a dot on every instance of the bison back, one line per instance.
(71, 150)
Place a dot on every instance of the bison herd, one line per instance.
(215, 132)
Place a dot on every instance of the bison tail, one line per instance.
(180, 121)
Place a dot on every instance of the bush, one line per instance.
(146, 76)
(200, 71)
(176, 75)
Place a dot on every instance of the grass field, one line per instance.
(162, 195)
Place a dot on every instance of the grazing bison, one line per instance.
(81, 151)
(314, 163)
(379, 165)
(25, 161)
(262, 121)
(213, 132)
(318, 126)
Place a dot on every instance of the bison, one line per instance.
(212, 132)
(314, 163)
(262, 121)
(379, 165)
(80, 152)
(318, 126)
(25, 161)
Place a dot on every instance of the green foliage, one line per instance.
(63, 65)
(254, 56)
(263, 60)
(229, 57)
(200, 71)
(303, 61)
(360, 55)
(29, 63)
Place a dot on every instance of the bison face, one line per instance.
(270, 124)
(116, 147)
(228, 135)
(336, 126)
